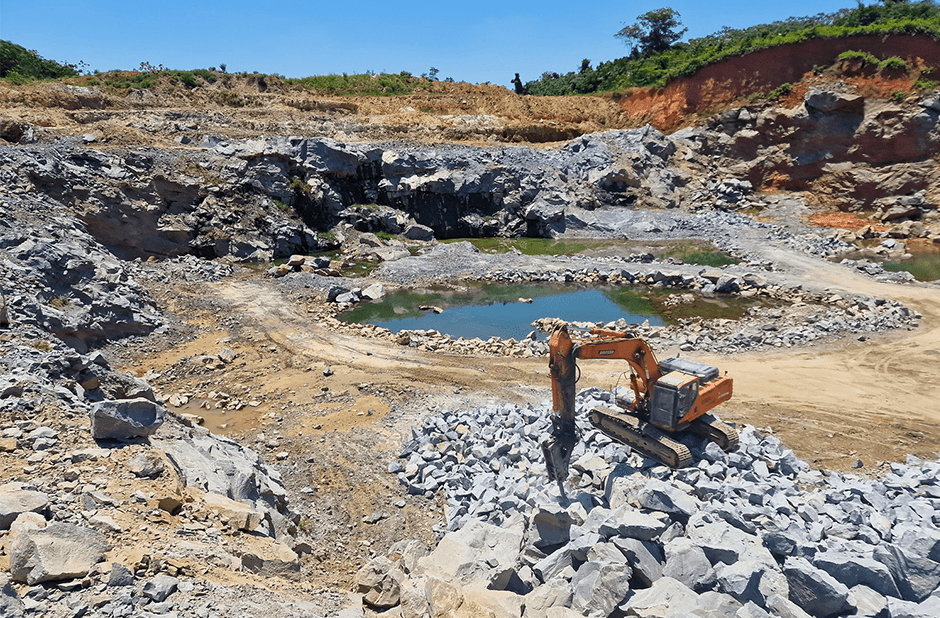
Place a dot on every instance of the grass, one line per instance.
(924, 267)
(689, 251)
(367, 84)
(534, 246)
(694, 252)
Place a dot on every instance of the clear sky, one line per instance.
(485, 41)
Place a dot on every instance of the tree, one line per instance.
(655, 31)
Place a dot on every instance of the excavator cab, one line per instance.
(674, 395)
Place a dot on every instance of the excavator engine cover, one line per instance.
(705, 373)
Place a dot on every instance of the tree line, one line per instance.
(657, 55)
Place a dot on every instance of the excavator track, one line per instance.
(641, 436)
(721, 433)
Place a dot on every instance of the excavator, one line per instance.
(668, 398)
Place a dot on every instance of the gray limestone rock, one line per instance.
(146, 465)
(120, 576)
(815, 590)
(554, 593)
(11, 605)
(686, 562)
(418, 232)
(57, 552)
(598, 587)
(552, 564)
(379, 582)
(160, 588)
(829, 101)
(853, 570)
(549, 527)
(126, 419)
(644, 557)
(14, 501)
(929, 608)
(665, 598)
(273, 560)
(915, 577)
(630, 523)
(660, 496)
(867, 602)
(741, 580)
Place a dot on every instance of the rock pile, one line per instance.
(753, 533)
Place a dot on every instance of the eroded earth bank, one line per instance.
(189, 428)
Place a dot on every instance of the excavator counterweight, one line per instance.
(668, 398)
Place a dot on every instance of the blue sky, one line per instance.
(486, 41)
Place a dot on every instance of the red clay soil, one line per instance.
(717, 86)
(845, 221)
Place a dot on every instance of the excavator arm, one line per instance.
(562, 356)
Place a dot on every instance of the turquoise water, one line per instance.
(513, 319)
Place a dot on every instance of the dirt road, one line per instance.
(873, 400)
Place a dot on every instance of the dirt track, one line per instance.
(872, 400)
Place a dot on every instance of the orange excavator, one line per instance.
(669, 397)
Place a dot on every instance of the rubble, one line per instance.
(749, 533)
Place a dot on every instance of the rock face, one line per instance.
(58, 551)
(832, 133)
(747, 533)
(446, 192)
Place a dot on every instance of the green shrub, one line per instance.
(892, 63)
(780, 91)
(188, 79)
(19, 64)
(299, 186)
(858, 55)
(209, 76)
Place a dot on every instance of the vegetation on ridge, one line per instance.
(18, 64)
(651, 65)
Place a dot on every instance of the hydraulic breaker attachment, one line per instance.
(557, 449)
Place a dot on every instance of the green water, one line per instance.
(486, 310)
(924, 266)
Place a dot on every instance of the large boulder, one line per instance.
(477, 552)
(666, 597)
(125, 419)
(57, 552)
(814, 590)
(828, 101)
(14, 501)
(379, 582)
(272, 560)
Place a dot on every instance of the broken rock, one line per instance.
(57, 552)
(126, 418)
